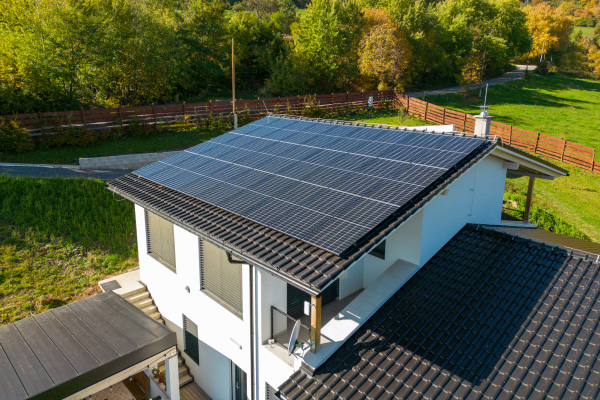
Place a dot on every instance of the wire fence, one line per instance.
(172, 114)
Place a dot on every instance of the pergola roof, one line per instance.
(60, 352)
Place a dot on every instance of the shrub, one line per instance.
(14, 138)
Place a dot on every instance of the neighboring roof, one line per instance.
(62, 351)
(327, 184)
(296, 261)
(551, 238)
(489, 316)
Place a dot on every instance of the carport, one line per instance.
(81, 348)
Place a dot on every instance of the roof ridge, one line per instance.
(572, 252)
(383, 126)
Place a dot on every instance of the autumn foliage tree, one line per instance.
(550, 30)
(384, 51)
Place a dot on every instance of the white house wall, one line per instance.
(218, 328)
(475, 197)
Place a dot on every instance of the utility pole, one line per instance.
(235, 122)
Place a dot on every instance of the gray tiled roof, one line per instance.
(300, 263)
(489, 316)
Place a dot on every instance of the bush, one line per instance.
(14, 138)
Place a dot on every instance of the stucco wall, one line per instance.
(218, 328)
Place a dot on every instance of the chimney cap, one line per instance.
(484, 111)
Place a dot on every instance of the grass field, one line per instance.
(113, 146)
(58, 238)
(583, 29)
(556, 105)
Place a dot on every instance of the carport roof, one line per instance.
(62, 351)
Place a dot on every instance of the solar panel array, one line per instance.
(326, 184)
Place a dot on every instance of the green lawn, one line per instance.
(556, 105)
(58, 238)
(113, 146)
(584, 30)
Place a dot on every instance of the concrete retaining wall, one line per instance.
(128, 161)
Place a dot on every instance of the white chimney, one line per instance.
(483, 121)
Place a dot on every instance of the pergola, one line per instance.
(81, 348)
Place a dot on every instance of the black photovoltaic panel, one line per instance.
(323, 183)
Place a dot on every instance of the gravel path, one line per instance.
(509, 76)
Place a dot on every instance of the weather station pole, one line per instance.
(235, 122)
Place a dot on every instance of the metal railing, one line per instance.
(282, 325)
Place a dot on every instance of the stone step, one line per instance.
(134, 292)
(150, 309)
(136, 298)
(156, 315)
(144, 303)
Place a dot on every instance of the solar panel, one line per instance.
(326, 184)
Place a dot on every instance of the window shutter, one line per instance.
(190, 339)
(160, 239)
(271, 391)
(221, 278)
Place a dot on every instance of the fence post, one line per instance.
(510, 135)
(408, 105)
(562, 156)
(155, 119)
(210, 106)
(426, 108)
(183, 108)
(444, 117)
(593, 160)
(83, 117)
(258, 106)
(120, 117)
(537, 141)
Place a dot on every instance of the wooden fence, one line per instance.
(114, 118)
(533, 142)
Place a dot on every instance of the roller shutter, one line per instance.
(160, 239)
(221, 278)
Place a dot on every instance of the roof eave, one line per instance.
(528, 161)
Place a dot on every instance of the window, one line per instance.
(190, 339)
(271, 391)
(379, 251)
(161, 240)
(297, 297)
(221, 279)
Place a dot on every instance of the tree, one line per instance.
(384, 52)
(326, 39)
(550, 30)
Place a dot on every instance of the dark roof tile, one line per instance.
(504, 332)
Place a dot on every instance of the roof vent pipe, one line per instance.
(483, 121)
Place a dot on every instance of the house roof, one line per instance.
(60, 352)
(299, 262)
(489, 316)
(552, 239)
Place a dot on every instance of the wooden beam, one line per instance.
(122, 375)
(528, 201)
(315, 323)
(530, 174)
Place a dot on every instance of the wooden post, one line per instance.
(210, 106)
(120, 117)
(315, 323)
(537, 141)
(510, 135)
(183, 108)
(233, 73)
(593, 160)
(426, 108)
(444, 117)
(528, 201)
(408, 105)
(83, 117)
(562, 155)
(155, 119)
(465, 123)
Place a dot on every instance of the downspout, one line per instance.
(252, 361)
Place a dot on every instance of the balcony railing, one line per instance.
(282, 325)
